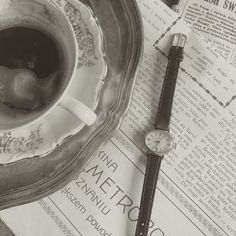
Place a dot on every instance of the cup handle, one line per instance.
(78, 109)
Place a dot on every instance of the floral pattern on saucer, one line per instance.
(84, 37)
(43, 136)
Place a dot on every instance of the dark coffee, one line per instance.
(31, 61)
(29, 48)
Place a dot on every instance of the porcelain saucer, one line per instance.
(45, 135)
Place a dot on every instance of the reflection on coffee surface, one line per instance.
(30, 64)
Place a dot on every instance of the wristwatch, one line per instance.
(159, 141)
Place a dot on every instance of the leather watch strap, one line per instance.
(171, 3)
(168, 88)
(149, 187)
(162, 123)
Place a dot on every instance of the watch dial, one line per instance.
(159, 142)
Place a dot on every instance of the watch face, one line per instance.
(159, 142)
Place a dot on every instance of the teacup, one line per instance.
(38, 61)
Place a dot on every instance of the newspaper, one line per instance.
(215, 20)
(196, 190)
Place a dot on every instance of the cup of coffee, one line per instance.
(38, 60)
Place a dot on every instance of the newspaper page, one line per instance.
(215, 20)
(196, 190)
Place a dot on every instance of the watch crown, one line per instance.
(179, 40)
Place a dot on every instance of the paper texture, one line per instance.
(216, 20)
(196, 190)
